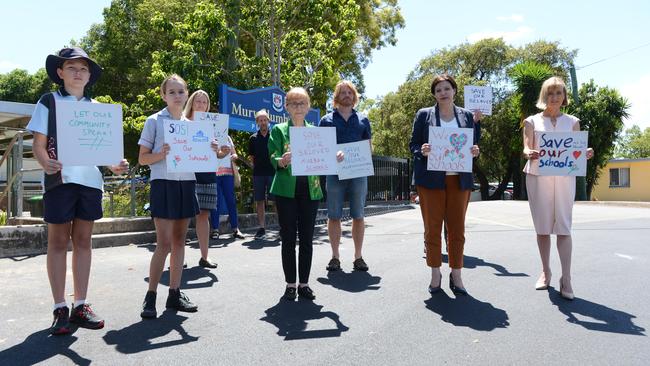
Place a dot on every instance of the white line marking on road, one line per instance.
(496, 222)
(624, 256)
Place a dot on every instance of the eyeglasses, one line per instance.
(297, 104)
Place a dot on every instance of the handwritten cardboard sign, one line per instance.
(451, 149)
(562, 153)
(479, 97)
(219, 124)
(357, 161)
(313, 151)
(189, 143)
(89, 133)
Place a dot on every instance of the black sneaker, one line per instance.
(360, 265)
(236, 234)
(334, 265)
(207, 263)
(289, 293)
(84, 317)
(61, 322)
(306, 293)
(179, 301)
(260, 233)
(215, 234)
(149, 306)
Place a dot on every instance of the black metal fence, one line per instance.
(392, 180)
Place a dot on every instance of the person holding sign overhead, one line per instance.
(351, 126)
(206, 184)
(551, 197)
(444, 195)
(296, 198)
(172, 198)
(73, 194)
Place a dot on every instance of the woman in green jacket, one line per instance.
(296, 198)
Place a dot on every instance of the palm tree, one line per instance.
(528, 77)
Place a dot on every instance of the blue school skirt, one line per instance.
(173, 200)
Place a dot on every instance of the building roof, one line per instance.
(627, 160)
(13, 119)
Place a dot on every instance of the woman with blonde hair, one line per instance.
(206, 184)
(296, 199)
(551, 197)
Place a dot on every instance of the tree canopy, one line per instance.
(634, 143)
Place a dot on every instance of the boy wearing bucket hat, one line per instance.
(73, 194)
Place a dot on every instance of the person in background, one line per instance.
(206, 184)
(226, 188)
(263, 170)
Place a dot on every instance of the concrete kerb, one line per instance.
(28, 236)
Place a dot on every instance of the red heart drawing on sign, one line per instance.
(576, 154)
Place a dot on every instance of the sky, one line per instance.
(616, 32)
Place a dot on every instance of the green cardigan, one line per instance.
(284, 184)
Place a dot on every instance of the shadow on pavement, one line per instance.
(355, 281)
(190, 277)
(470, 262)
(466, 311)
(292, 320)
(267, 242)
(594, 316)
(41, 346)
(138, 337)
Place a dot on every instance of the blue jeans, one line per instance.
(225, 196)
(357, 190)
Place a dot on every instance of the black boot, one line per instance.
(149, 305)
(179, 301)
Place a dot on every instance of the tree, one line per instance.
(315, 42)
(485, 62)
(19, 86)
(634, 144)
(528, 78)
(601, 112)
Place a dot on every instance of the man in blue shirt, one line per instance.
(351, 126)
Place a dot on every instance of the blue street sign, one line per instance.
(242, 105)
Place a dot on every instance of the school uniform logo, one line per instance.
(277, 102)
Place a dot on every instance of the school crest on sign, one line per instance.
(277, 102)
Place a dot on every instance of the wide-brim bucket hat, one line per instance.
(54, 62)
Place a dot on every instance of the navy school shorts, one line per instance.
(70, 201)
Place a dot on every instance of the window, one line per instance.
(619, 177)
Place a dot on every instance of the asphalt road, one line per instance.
(383, 317)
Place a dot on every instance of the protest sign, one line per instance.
(189, 144)
(219, 124)
(357, 161)
(561, 153)
(89, 133)
(451, 149)
(313, 150)
(479, 97)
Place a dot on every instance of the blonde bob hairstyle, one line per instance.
(337, 92)
(551, 83)
(296, 94)
(188, 112)
(176, 77)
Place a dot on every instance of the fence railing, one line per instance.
(392, 179)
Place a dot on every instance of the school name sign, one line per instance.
(242, 105)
